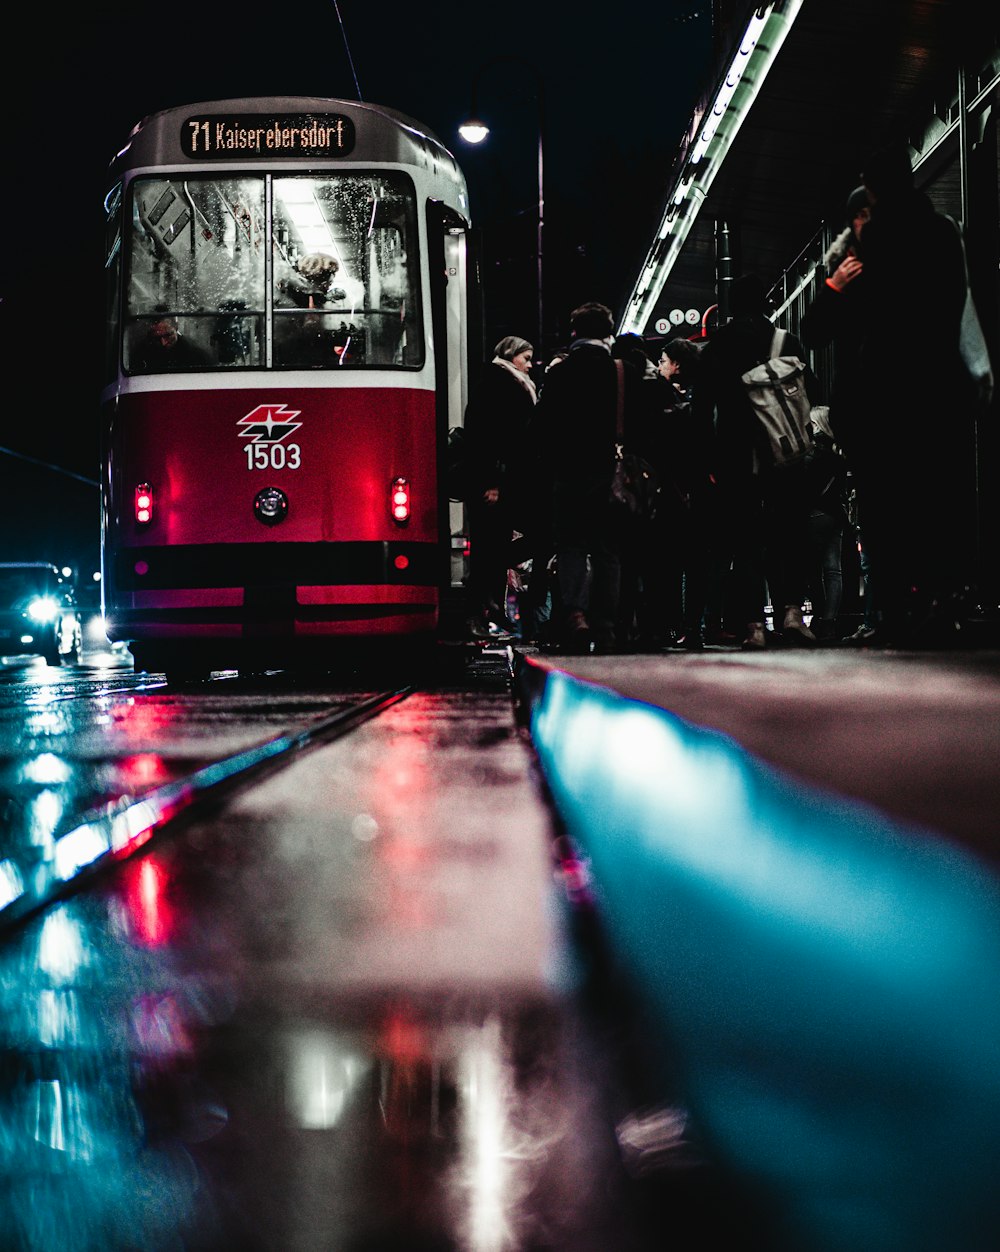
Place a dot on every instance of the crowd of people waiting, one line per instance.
(557, 563)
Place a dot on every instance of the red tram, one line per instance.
(291, 290)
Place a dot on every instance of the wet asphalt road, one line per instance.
(341, 1009)
(388, 998)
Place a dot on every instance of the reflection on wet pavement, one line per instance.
(148, 1105)
(336, 1017)
(64, 813)
(825, 978)
(358, 1009)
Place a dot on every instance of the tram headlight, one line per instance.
(270, 505)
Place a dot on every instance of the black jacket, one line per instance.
(575, 415)
(837, 319)
(497, 420)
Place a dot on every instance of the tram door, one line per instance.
(456, 317)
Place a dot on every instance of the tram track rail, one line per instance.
(106, 836)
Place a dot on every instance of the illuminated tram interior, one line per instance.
(341, 287)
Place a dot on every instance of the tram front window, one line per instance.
(196, 264)
(345, 280)
(345, 289)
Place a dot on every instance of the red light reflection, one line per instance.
(148, 910)
(144, 770)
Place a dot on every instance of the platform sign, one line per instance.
(661, 326)
(677, 316)
(692, 317)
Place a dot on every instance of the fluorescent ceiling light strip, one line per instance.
(758, 57)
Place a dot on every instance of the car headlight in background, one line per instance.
(43, 609)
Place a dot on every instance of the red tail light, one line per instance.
(399, 501)
(144, 504)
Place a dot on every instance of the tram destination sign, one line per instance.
(218, 136)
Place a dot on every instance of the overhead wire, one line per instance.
(347, 49)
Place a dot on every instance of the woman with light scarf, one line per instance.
(496, 426)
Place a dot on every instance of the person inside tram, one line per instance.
(317, 338)
(164, 349)
(310, 285)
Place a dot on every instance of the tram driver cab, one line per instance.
(337, 289)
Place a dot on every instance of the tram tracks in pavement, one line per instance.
(104, 837)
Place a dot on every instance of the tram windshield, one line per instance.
(338, 288)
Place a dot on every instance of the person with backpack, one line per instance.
(763, 507)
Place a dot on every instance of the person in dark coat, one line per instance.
(687, 497)
(763, 516)
(641, 555)
(664, 567)
(497, 421)
(576, 418)
(912, 446)
(834, 318)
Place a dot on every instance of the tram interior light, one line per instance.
(144, 504)
(400, 501)
(303, 210)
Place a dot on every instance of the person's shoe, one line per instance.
(578, 638)
(794, 632)
(824, 628)
(756, 639)
(690, 641)
(605, 642)
(860, 637)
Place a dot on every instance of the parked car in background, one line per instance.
(97, 648)
(38, 612)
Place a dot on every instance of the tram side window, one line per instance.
(346, 279)
(195, 277)
(112, 269)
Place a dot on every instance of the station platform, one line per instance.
(791, 861)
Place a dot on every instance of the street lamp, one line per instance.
(474, 131)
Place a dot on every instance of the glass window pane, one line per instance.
(346, 280)
(112, 272)
(195, 288)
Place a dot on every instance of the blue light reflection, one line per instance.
(828, 978)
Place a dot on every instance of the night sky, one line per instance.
(617, 95)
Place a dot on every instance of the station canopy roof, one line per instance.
(800, 92)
